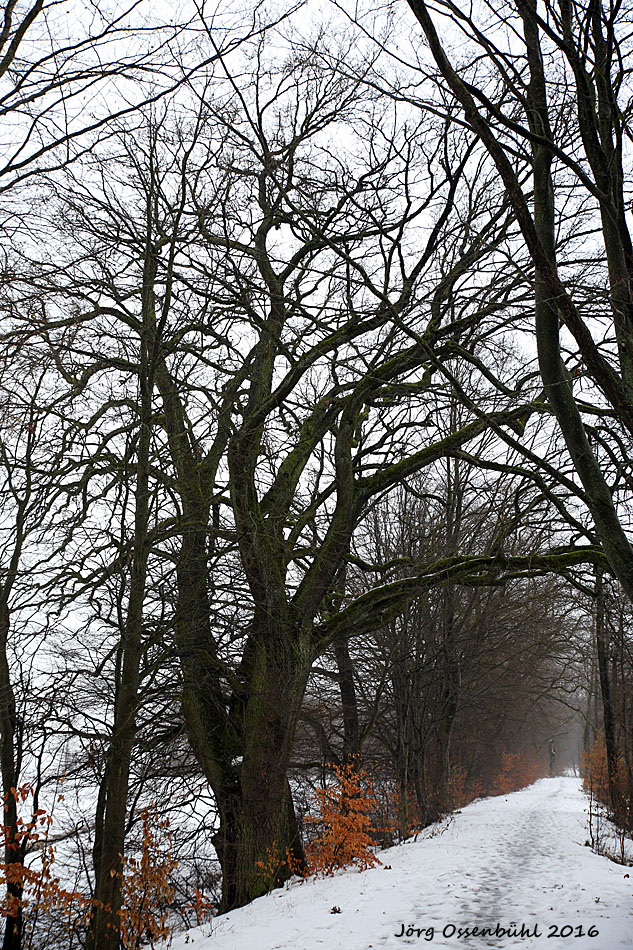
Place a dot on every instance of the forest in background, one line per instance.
(316, 405)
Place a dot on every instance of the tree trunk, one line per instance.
(258, 843)
(403, 788)
(13, 852)
(349, 704)
(602, 649)
(589, 732)
(445, 732)
(243, 742)
(111, 817)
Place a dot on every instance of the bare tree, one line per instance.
(32, 468)
(264, 287)
(557, 35)
(305, 320)
(517, 113)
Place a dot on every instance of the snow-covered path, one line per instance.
(515, 865)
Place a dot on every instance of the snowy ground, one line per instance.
(516, 863)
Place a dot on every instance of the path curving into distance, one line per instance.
(516, 867)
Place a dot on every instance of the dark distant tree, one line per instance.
(464, 662)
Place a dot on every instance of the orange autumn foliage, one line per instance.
(271, 869)
(42, 891)
(517, 771)
(200, 907)
(596, 781)
(595, 772)
(461, 792)
(345, 828)
(146, 888)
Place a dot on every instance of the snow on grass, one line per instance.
(516, 866)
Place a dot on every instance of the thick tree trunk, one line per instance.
(242, 722)
(243, 744)
(258, 847)
(262, 843)
(258, 843)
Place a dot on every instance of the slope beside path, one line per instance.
(514, 867)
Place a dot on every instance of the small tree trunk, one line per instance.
(449, 677)
(589, 732)
(349, 704)
(111, 815)
(602, 649)
(403, 784)
(112, 812)
(444, 754)
(13, 852)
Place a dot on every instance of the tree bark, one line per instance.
(111, 816)
(603, 652)
(349, 704)
(13, 851)
(246, 760)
